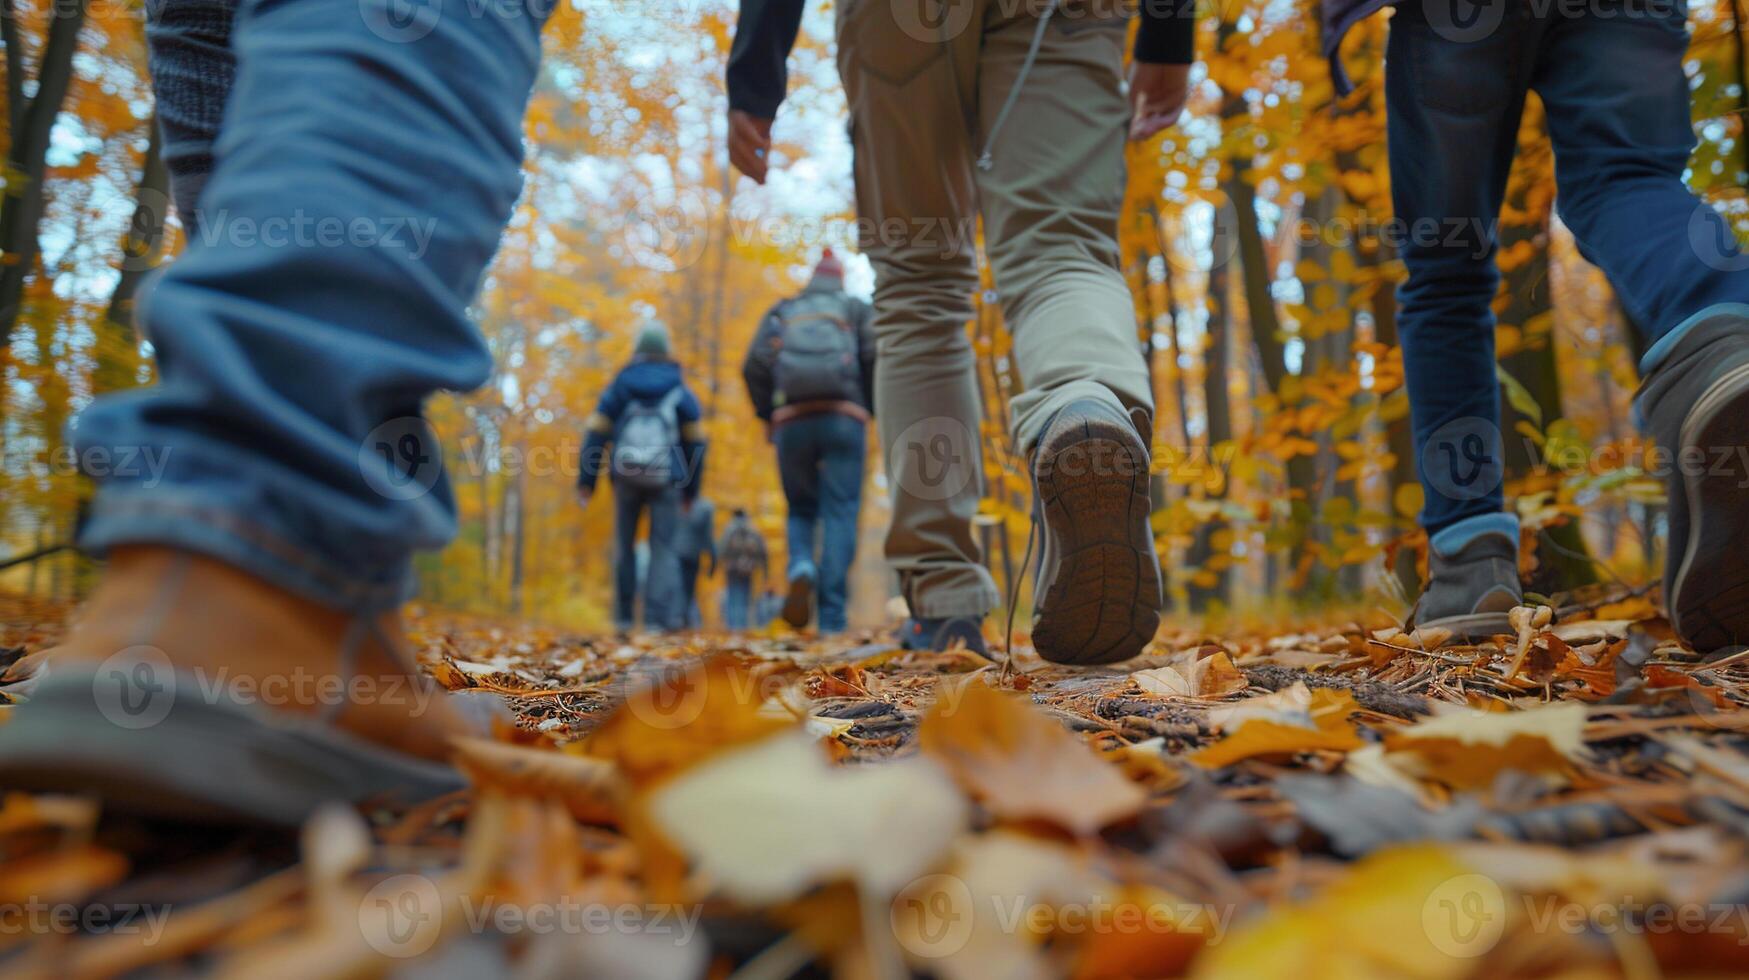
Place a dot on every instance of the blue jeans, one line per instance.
(820, 459)
(737, 601)
(368, 160)
(1618, 115)
(664, 595)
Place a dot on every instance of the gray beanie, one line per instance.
(652, 339)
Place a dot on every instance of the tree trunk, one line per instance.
(1564, 561)
(142, 248)
(1218, 413)
(27, 162)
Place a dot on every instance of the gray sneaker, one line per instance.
(1472, 589)
(1097, 597)
(1695, 403)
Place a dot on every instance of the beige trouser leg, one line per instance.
(924, 96)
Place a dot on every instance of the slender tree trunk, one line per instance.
(118, 356)
(1218, 413)
(27, 161)
(1564, 561)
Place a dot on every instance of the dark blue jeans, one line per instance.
(737, 601)
(1618, 115)
(820, 459)
(369, 156)
(665, 603)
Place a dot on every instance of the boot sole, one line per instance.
(798, 604)
(1709, 597)
(1103, 605)
(208, 762)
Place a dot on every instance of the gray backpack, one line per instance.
(818, 355)
(646, 440)
(743, 550)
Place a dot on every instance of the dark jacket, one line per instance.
(697, 537)
(760, 367)
(1339, 17)
(766, 31)
(645, 379)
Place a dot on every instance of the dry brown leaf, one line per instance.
(680, 719)
(1468, 749)
(1324, 725)
(1022, 764)
(767, 821)
(591, 789)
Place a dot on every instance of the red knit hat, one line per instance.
(829, 266)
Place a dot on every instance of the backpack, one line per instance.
(645, 442)
(819, 357)
(743, 551)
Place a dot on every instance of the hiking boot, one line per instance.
(943, 634)
(192, 690)
(1695, 403)
(1097, 597)
(798, 605)
(1472, 579)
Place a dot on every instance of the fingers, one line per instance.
(750, 145)
(1147, 123)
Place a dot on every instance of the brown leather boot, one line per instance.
(190, 689)
(265, 646)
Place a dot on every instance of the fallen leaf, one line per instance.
(1324, 725)
(1022, 764)
(1468, 749)
(764, 822)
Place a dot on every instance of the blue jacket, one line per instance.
(645, 379)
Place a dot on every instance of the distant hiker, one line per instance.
(1018, 113)
(810, 373)
(1616, 96)
(742, 555)
(645, 432)
(697, 542)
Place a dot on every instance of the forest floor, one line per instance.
(1342, 802)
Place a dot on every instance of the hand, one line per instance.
(749, 144)
(1157, 96)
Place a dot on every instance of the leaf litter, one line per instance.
(1355, 801)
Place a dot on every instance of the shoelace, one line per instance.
(1014, 599)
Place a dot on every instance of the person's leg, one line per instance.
(737, 594)
(628, 506)
(799, 449)
(299, 334)
(689, 590)
(285, 474)
(1051, 192)
(1619, 119)
(1052, 107)
(841, 466)
(664, 602)
(189, 53)
(1453, 110)
(909, 107)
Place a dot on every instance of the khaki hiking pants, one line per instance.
(935, 149)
